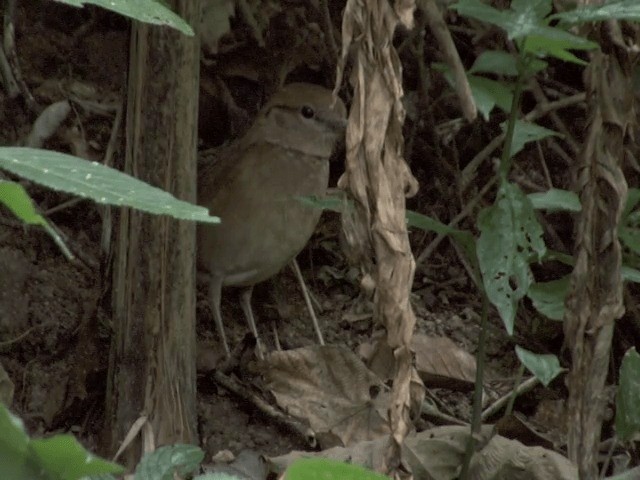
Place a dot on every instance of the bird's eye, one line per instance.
(307, 111)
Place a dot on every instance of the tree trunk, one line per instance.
(152, 358)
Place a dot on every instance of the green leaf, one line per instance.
(633, 197)
(325, 469)
(483, 12)
(556, 199)
(526, 21)
(510, 238)
(520, 21)
(14, 444)
(163, 462)
(545, 367)
(148, 11)
(495, 61)
(463, 238)
(526, 132)
(611, 10)
(18, 201)
(548, 297)
(487, 93)
(102, 184)
(630, 237)
(629, 274)
(66, 459)
(527, 17)
(553, 42)
(627, 405)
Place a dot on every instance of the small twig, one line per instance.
(469, 172)
(8, 80)
(12, 57)
(106, 212)
(543, 164)
(542, 99)
(20, 337)
(499, 404)
(307, 300)
(328, 26)
(448, 48)
(280, 417)
(428, 251)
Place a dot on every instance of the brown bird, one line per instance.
(254, 188)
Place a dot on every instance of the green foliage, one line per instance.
(627, 405)
(92, 180)
(525, 132)
(510, 239)
(164, 462)
(98, 182)
(548, 297)
(17, 200)
(325, 469)
(611, 10)
(148, 11)
(545, 367)
(527, 23)
(57, 458)
(554, 200)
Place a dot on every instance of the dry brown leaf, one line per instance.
(332, 389)
(516, 427)
(378, 179)
(437, 454)
(443, 364)
(439, 362)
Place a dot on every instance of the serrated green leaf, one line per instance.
(553, 42)
(545, 367)
(148, 11)
(532, 8)
(555, 199)
(488, 93)
(66, 459)
(93, 180)
(483, 12)
(495, 61)
(525, 132)
(163, 462)
(527, 17)
(510, 238)
(611, 10)
(548, 297)
(627, 405)
(325, 469)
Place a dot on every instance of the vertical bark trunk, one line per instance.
(152, 359)
(595, 299)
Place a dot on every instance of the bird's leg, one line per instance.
(215, 294)
(245, 303)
